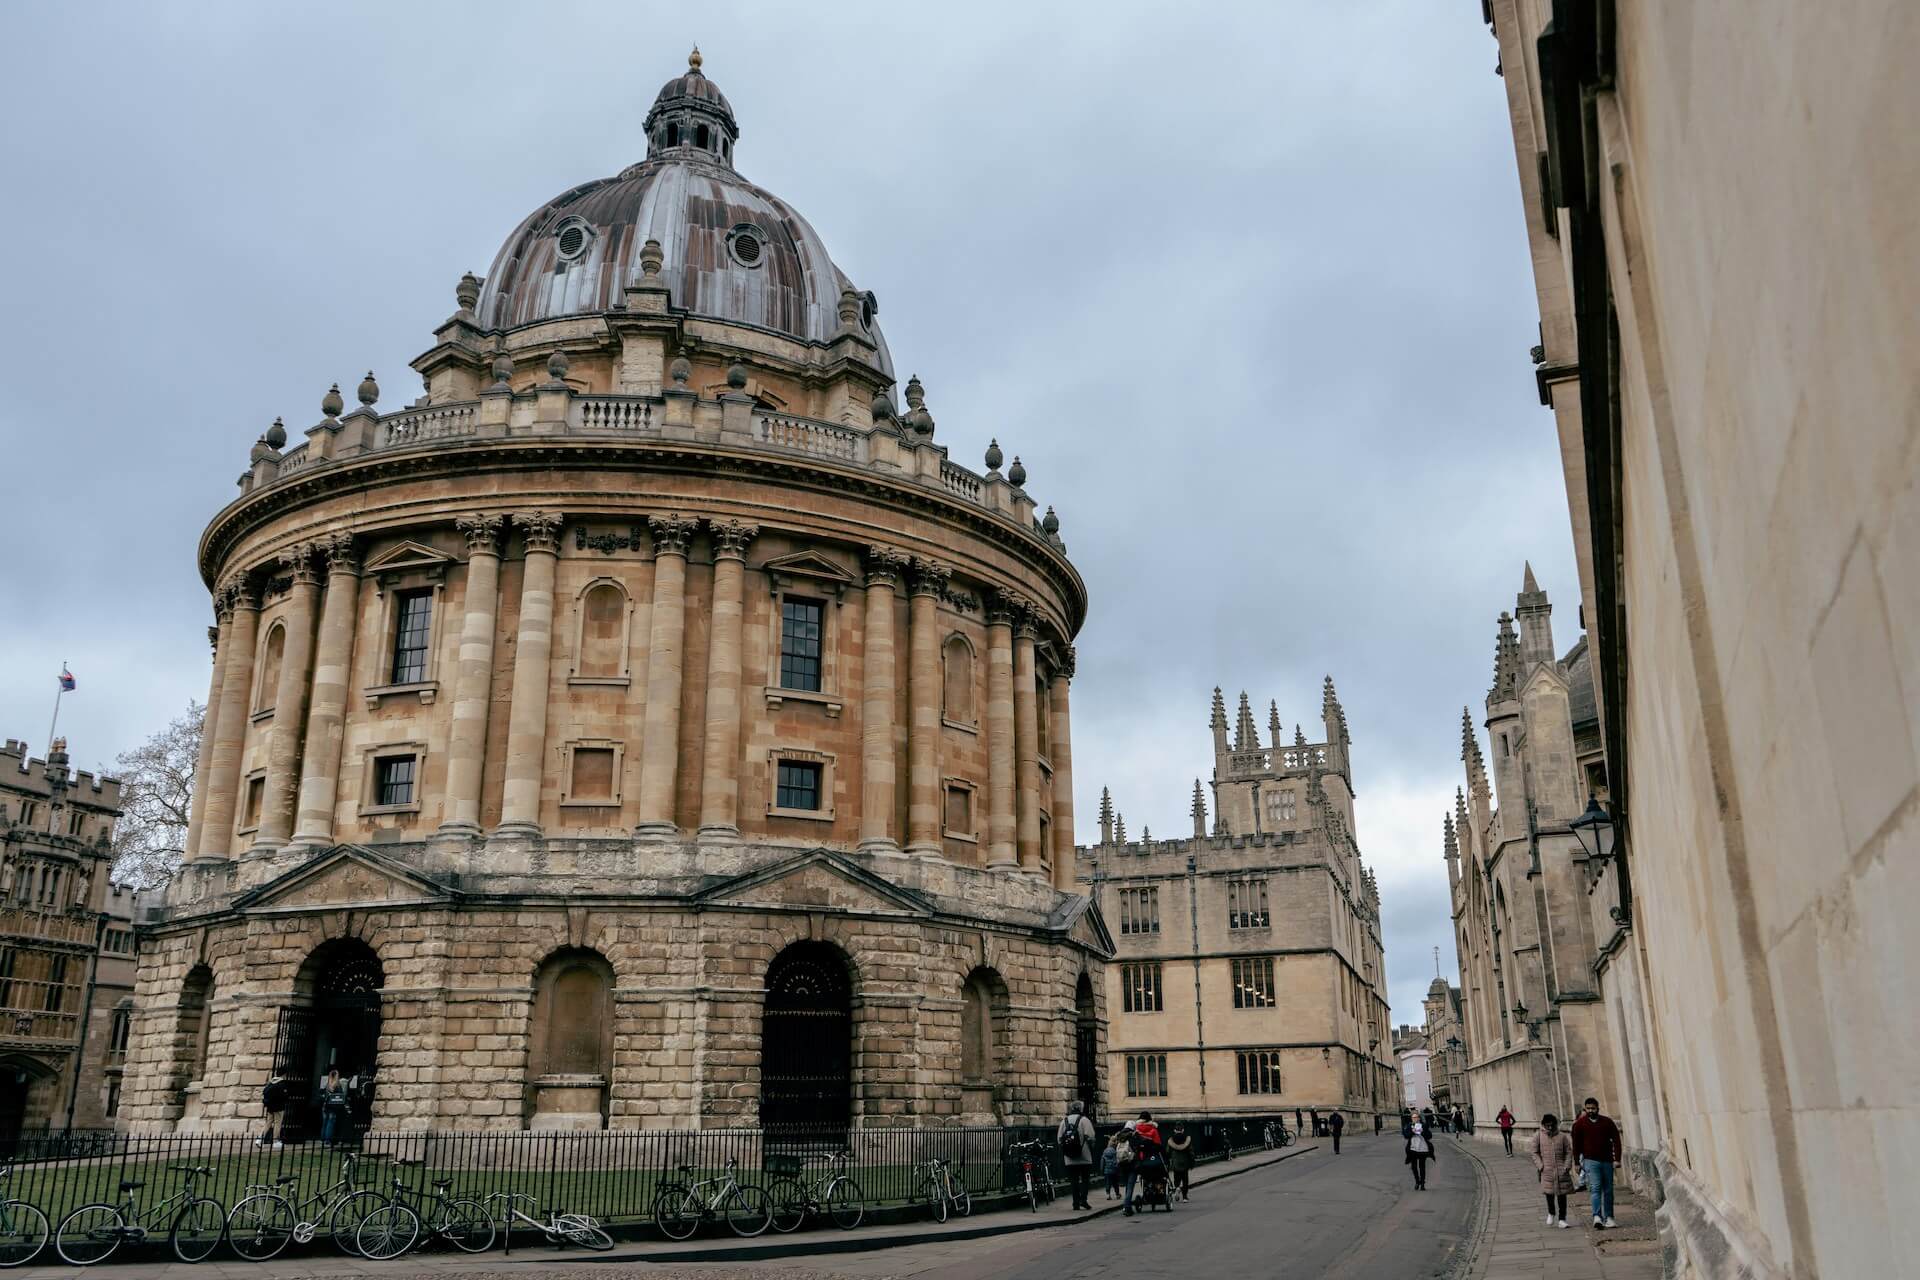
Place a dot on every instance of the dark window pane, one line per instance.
(800, 631)
(799, 785)
(393, 780)
(410, 637)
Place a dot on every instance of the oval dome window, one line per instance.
(747, 245)
(572, 241)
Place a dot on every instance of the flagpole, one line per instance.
(60, 691)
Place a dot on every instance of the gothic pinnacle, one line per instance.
(1199, 811)
(1219, 720)
(1244, 737)
(1527, 584)
(1274, 727)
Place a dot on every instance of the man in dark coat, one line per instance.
(1335, 1123)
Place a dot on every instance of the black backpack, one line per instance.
(1070, 1137)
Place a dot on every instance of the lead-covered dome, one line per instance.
(730, 250)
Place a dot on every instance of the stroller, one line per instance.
(1155, 1186)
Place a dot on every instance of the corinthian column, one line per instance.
(660, 740)
(236, 680)
(923, 714)
(720, 765)
(1026, 730)
(527, 715)
(289, 702)
(1060, 743)
(1001, 829)
(878, 775)
(209, 726)
(332, 674)
(473, 679)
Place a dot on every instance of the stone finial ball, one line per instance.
(994, 456)
(467, 292)
(1016, 474)
(368, 391)
(882, 405)
(916, 394)
(260, 450)
(557, 366)
(1050, 523)
(736, 375)
(277, 433)
(680, 370)
(502, 369)
(331, 404)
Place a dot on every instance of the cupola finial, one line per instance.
(693, 62)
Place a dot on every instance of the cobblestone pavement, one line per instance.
(1519, 1245)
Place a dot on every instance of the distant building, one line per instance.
(1249, 976)
(1416, 1083)
(66, 946)
(1446, 1038)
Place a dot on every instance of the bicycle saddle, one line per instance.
(132, 1186)
(686, 1168)
(443, 1182)
(286, 1179)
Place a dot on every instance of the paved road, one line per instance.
(1343, 1217)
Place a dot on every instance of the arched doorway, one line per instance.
(332, 1025)
(806, 1041)
(1086, 1045)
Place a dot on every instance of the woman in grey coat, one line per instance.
(1077, 1155)
(1553, 1157)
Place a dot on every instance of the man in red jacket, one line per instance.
(1596, 1144)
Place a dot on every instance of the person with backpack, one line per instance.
(1075, 1139)
(273, 1100)
(1335, 1123)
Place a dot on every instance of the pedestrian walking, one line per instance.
(1076, 1139)
(1378, 1121)
(1180, 1159)
(1505, 1120)
(1299, 1125)
(1110, 1159)
(1335, 1123)
(333, 1105)
(1419, 1151)
(1596, 1144)
(273, 1100)
(1148, 1161)
(1553, 1157)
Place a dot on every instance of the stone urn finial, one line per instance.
(652, 257)
(467, 292)
(882, 406)
(1017, 474)
(276, 436)
(557, 365)
(680, 370)
(737, 375)
(502, 370)
(994, 456)
(1050, 523)
(368, 390)
(916, 394)
(331, 404)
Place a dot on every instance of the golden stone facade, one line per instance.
(653, 672)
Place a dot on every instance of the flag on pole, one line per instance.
(66, 679)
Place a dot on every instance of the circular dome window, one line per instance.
(748, 244)
(572, 239)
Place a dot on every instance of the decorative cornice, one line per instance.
(342, 552)
(885, 566)
(730, 538)
(671, 534)
(542, 529)
(481, 532)
(302, 563)
(929, 577)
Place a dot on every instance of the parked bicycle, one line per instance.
(1275, 1136)
(272, 1216)
(414, 1220)
(834, 1193)
(559, 1228)
(23, 1228)
(195, 1222)
(680, 1207)
(942, 1189)
(1035, 1178)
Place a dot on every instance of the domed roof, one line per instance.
(731, 250)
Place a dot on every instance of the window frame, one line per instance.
(1146, 1075)
(1143, 986)
(1254, 981)
(793, 602)
(570, 801)
(370, 777)
(1241, 916)
(266, 692)
(1258, 1067)
(1144, 917)
(407, 567)
(248, 819)
(948, 787)
(624, 677)
(969, 723)
(798, 755)
(807, 575)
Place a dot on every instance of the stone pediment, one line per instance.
(811, 568)
(1084, 925)
(817, 880)
(346, 875)
(407, 555)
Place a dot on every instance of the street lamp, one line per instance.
(1595, 830)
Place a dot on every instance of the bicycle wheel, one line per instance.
(845, 1203)
(387, 1232)
(260, 1226)
(748, 1210)
(789, 1203)
(23, 1233)
(935, 1196)
(958, 1195)
(586, 1233)
(677, 1212)
(343, 1222)
(90, 1234)
(198, 1229)
(466, 1224)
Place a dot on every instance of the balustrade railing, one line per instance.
(613, 413)
(809, 436)
(961, 481)
(434, 422)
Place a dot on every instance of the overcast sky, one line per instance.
(1245, 286)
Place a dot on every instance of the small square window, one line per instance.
(802, 626)
(592, 775)
(799, 785)
(393, 780)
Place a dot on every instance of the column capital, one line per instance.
(482, 533)
(342, 551)
(671, 534)
(213, 639)
(930, 577)
(1063, 668)
(885, 566)
(302, 561)
(1010, 609)
(730, 538)
(239, 591)
(542, 529)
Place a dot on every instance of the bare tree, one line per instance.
(156, 793)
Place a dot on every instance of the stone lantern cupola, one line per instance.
(691, 112)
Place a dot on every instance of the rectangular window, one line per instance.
(1146, 1075)
(801, 624)
(393, 779)
(799, 785)
(592, 775)
(1253, 983)
(1140, 987)
(959, 811)
(1140, 910)
(256, 796)
(113, 1096)
(1247, 903)
(1259, 1070)
(413, 623)
(75, 822)
(7, 957)
(27, 811)
(56, 985)
(120, 1031)
(1280, 806)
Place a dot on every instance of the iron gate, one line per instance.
(806, 1044)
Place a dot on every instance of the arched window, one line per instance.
(571, 1054)
(604, 612)
(976, 1030)
(673, 135)
(270, 654)
(1086, 1044)
(957, 692)
(701, 137)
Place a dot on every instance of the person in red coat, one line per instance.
(1505, 1119)
(1596, 1144)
